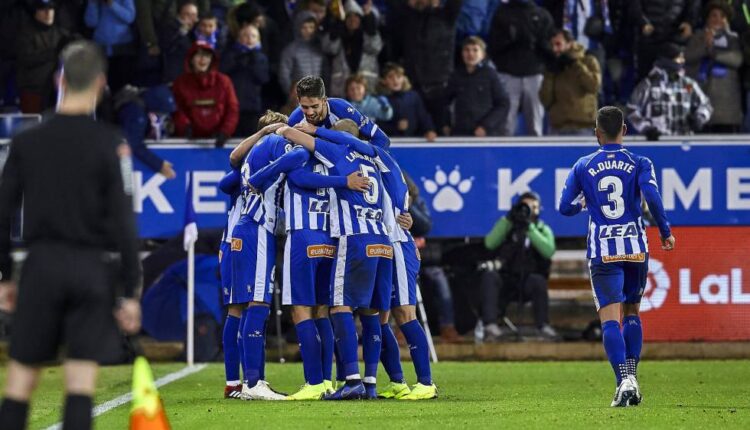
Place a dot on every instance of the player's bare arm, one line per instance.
(240, 152)
(405, 220)
(297, 137)
(356, 182)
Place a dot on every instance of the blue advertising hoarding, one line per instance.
(469, 186)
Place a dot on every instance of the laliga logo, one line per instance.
(447, 189)
(657, 286)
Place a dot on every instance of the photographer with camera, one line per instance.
(524, 246)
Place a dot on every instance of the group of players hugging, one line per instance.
(328, 170)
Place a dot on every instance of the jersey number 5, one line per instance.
(613, 186)
(371, 196)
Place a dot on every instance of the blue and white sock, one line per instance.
(419, 350)
(346, 343)
(253, 338)
(614, 345)
(231, 350)
(390, 355)
(632, 332)
(325, 330)
(371, 346)
(309, 345)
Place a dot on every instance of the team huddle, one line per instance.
(348, 249)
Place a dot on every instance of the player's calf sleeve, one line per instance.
(309, 345)
(614, 345)
(632, 332)
(371, 345)
(13, 414)
(77, 412)
(419, 350)
(231, 350)
(346, 342)
(325, 330)
(390, 355)
(253, 340)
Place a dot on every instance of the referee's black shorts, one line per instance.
(64, 300)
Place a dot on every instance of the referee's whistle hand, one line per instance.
(128, 316)
(668, 243)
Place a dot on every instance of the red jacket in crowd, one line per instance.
(206, 102)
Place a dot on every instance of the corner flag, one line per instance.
(147, 412)
(191, 227)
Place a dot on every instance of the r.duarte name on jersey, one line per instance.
(611, 165)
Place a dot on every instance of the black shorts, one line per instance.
(64, 300)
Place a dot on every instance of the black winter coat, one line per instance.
(480, 100)
(519, 38)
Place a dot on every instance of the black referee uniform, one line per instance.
(73, 176)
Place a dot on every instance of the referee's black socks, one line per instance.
(77, 412)
(13, 414)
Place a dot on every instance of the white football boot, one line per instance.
(625, 391)
(261, 391)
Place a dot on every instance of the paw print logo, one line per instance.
(447, 189)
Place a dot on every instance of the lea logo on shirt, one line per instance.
(236, 244)
(377, 251)
(321, 251)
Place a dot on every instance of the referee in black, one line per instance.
(73, 175)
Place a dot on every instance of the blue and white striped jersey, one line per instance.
(306, 209)
(231, 184)
(612, 180)
(396, 197)
(342, 109)
(263, 208)
(353, 212)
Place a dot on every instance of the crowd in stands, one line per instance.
(416, 67)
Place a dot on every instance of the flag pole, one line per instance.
(191, 305)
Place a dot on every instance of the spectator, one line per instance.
(473, 19)
(12, 15)
(111, 20)
(525, 245)
(429, 41)
(177, 38)
(69, 14)
(206, 103)
(377, 108)
(247, 66)
(666, 101)
(39, 43)
(303, 57)
(713, 57)
(480, 101)
(144, 113)
(571, 87)
(741, 25)
(658, 22)
(208, 31)
(354, 45)
(519, 45)
(410, 118)
(250, 13)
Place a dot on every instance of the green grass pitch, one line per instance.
(568, 395)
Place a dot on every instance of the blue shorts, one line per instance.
(253, 264)
(225, 267)
(406, 261)
(308, 258)
(617, 282)
(362, 275)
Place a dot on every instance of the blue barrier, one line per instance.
(470, 185)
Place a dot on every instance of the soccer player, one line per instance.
(610, 183)
(230, 184)
(317, 109)
(363, 268)
(253, 255)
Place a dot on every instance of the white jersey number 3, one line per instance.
(613, 186)
(372, 195)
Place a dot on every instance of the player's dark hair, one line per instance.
(311, 86)
(82, 63)
(609, 121)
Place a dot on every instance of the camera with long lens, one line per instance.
(520, 213)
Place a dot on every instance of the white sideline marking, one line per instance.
(126, 398)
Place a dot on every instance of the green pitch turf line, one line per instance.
(126, 398)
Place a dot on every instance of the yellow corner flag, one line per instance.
(147, 412)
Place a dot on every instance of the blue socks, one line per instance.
(614, 345)
(309, 345)
(253, 339)
(419, 350)
(346, 343)
(325, 331)
(390, 355)
(632, 332)
(371, 346)
(231, 350)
